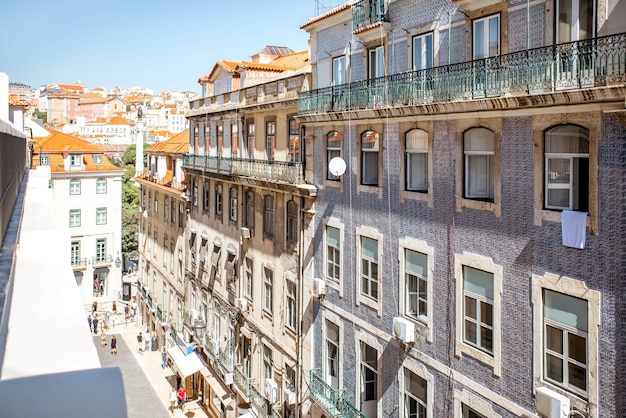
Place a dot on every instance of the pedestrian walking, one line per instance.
(114, 308)
(163, 358)
(103, 338)
(94, 307)
(126, 313)
(94, 321)
(113, 345)
(139, 342)
(89, 321)
(181, 396)
(173, 400)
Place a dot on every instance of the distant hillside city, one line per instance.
(104, 117)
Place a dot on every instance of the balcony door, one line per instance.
(575, 23)
(485, 46)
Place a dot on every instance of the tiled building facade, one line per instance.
(448, 288)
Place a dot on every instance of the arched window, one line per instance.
(416, 154)
(249, 220)
(370, 146)
(478, 148)
(566, 152)
(292, 222)
(333, 149)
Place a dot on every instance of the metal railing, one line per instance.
(101, 261)
(79, 262)
(367, 12)
(258, 401)
(242, 381)
(279, 171)
(582, 64)
(332, 400)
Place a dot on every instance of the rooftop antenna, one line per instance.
(322, 6)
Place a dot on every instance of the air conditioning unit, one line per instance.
(242, 304)
(228, 378)
(551, 404)
(319, 287)
(289, 396)
(404, 330)
(245, 232)
(271, 390)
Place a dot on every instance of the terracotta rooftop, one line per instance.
(179, 143)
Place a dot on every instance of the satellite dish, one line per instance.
(337, 166)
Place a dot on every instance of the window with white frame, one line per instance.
(423, 51)
(331, 354)
(468, 412)
(180, 263)
(247, 272)
(292, 222)
(75, 253)
(156, 203)
(173, 212)
(181, 214)
(565, 339)
(567, 168)
(415, 395)
(575, 20)
(205, 196)
(233, 204)
(370, 146)
(478, 289)
(479, 149)
(218, 200)
(369, 374)
(76, 160)
(376, 62)
(416, 282)
(486, 37)
(268, 216)
(155, 241)
(333, 149)
(74, 218)
(249, 218)
(290, 305)
(97, 159)
(166, 208)
(268, 290)
(333, 254)
(234, 139)
(101, 216)
(101, 249)
(220, 138)
(44, 160)
(268, 372)
(369, 268)
(339, 70)
(74, 186)
(416, 150)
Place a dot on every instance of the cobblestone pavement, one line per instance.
(146, 384)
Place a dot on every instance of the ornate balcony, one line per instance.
(332, 400)
(366, 13)
(242, 382)
(79, 263)
(277, 171)
(102, 261)
(583, 64)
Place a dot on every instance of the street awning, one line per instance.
(185, 364)
(217, 387)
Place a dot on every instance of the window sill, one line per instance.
(493, 207)
(336, 184)
(417, 196)
(545, 215)
(370, 303)
(361, 188)
(577, 401)
(486, 358)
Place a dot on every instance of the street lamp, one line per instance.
(118, 262)
(198, 328)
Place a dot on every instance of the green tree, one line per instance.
(130, 233)
(129, 155)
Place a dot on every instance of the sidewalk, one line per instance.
(162, 380)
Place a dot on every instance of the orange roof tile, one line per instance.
(118, 120)
(326, 14)
(179, 143)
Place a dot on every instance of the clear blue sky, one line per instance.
(157, 44)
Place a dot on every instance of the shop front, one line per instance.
(187, 367)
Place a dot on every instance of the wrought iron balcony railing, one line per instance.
(332, 400)
(367, 12)
(279, 171)
(583, 64)
(79, 262)
(242, 381)
(102, 260)
(258, 401)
